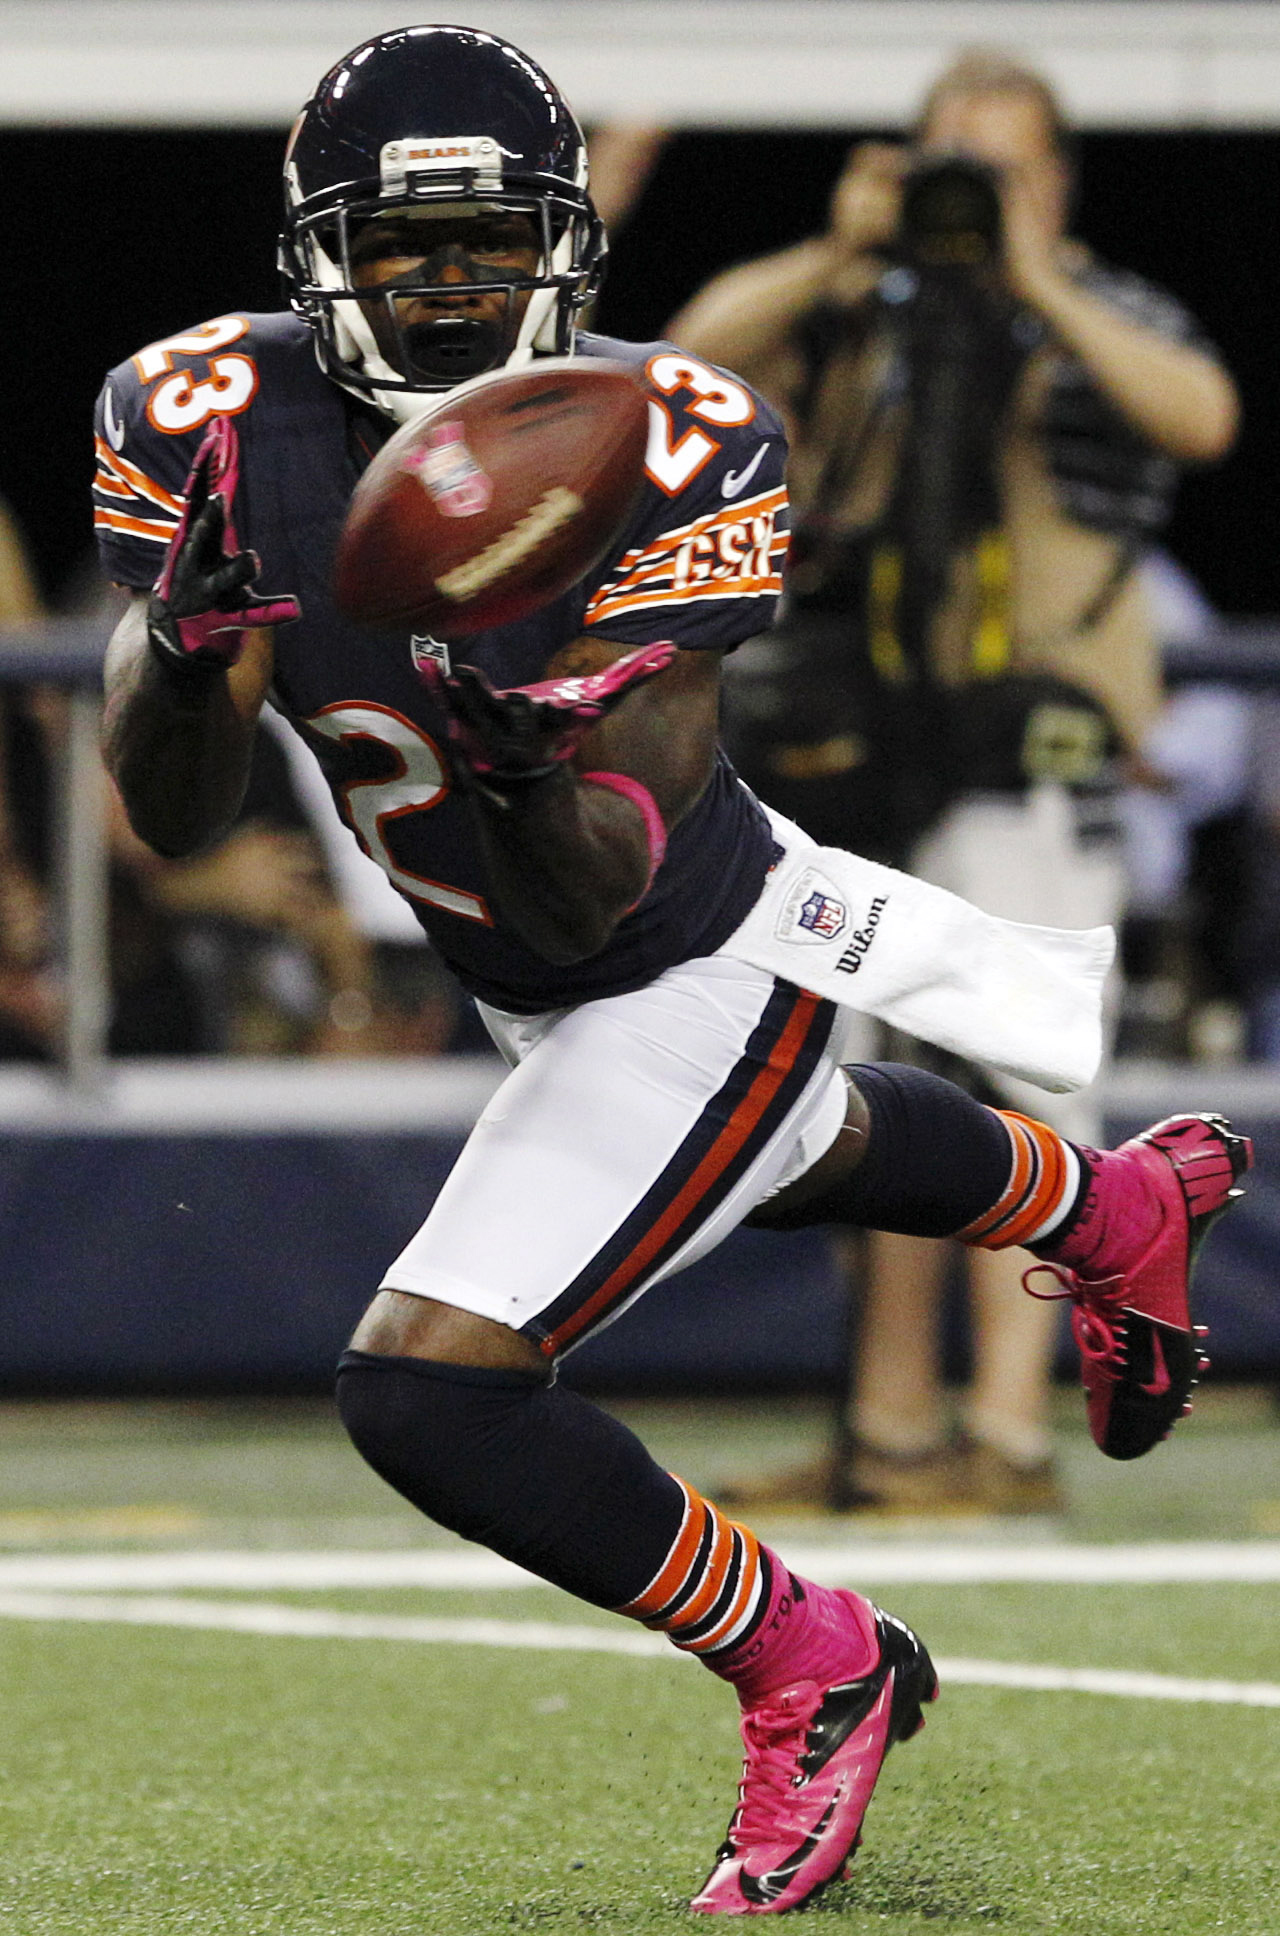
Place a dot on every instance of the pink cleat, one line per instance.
(813, 1756)
(1127, 1267)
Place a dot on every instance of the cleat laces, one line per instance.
(768, 1805)
(1097, 1323)
(1126, 1266)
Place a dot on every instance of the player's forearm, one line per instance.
(181, 772)
(567, 859)
(179, 753)
(1175, 395)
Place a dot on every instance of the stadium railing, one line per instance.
(208, 1223)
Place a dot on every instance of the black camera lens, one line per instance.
(950, 213)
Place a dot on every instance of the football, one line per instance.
(496, 501)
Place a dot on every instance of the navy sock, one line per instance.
(526, 1468)
(935, 1160)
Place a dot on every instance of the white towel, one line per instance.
(1025, 1000)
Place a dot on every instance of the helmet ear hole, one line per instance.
(434, 118)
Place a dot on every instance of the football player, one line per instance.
(583, 859)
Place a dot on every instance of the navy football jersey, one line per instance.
(699, 563)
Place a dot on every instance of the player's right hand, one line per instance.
(203, 601)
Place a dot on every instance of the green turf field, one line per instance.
(160, 1777)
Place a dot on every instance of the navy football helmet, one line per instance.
(442, 122)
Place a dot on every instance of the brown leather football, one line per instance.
(496, 501)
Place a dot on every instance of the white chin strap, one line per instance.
(355, 343)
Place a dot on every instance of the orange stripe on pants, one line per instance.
(717, 1159)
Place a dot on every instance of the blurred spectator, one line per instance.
(281, 939)
(1185, 827)
(1258, 936)
(417, 1006)
(623, 156)
(986, 426)
(27, 1013)
(246, 948)
(266, 939)
(251, 927)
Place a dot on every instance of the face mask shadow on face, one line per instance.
(433, 270)
(444, 313)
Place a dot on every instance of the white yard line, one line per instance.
(957, 1563)
(266, 1617)
(953, 1563)
(259, 1617)
(459, 1570)
(1095, 1680)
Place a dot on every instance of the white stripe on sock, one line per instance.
(1066, 1197)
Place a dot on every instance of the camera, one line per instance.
(950, 215)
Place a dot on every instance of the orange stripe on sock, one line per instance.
(675, 1568)
(717, 1159)
(1011, 1196)
(1019, 1214)
(741, 1599)
(714, 1572)
(1043, 1199)
(711, 1585)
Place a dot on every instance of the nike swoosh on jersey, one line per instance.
(114, 429)
(734, 482)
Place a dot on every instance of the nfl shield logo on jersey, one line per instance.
(811, 913)
(426, 649)
(822, 915)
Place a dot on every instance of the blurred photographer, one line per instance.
(987, 424)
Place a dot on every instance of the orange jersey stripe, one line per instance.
(660, 574)
(110, 485)
(138, 527)
(737, 588)
(731, 513)
(651, 582)
(732, 547)
(120, 467)
(655, 563)
(654, 558)
(718, 1157)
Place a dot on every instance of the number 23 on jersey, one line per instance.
(673, 462)
(181, 400)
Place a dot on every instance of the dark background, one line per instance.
(115, 238)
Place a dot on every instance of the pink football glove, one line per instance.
(203, 603)
(505, 739)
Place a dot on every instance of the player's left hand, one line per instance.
(507, 738)
(204, 600)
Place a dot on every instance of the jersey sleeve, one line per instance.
(151, 415)
(701, 560)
